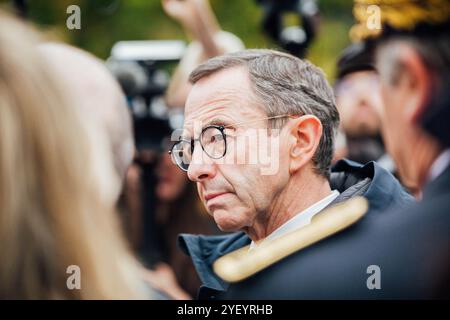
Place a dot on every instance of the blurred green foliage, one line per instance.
(103, 22)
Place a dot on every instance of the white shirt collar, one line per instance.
(439, 165)
(301, 219)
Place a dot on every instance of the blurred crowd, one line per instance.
(86, 177)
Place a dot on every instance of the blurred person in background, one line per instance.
(413, 59)
(208, 40)
(56, 197)
(358, 97)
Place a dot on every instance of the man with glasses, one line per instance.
(245, 112)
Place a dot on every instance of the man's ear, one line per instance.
(417, 81)
(306, 132)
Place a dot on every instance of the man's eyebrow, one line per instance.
(218, 122)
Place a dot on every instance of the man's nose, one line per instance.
(201, 167)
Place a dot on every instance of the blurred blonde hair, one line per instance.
(56, 196)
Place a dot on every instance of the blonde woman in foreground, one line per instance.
(56, 202)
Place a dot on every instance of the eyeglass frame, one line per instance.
(221, 129)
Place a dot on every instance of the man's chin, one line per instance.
(226, 221)
(228, 228)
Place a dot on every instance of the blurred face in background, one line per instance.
(358, 100)
(171, 180)
(400, 131)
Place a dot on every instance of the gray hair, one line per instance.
(285, 84)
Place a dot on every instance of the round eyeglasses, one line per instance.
(213, 141)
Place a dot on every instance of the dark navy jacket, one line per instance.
(309, 273)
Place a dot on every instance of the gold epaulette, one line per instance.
(243, 263)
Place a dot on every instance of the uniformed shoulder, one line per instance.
(243, 263)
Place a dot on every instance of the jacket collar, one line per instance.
(204, 250)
